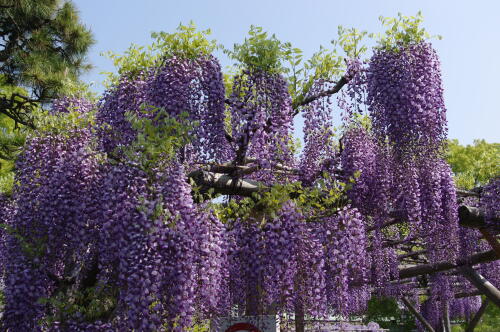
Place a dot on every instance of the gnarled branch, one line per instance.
(343, 81)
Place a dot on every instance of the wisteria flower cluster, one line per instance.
(107, 233)
(261, 120)
(405, 96)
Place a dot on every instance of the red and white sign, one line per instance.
(246, 324)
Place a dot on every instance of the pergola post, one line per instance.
(417, 314)
(446, 317)
(477, 317)
(481, 284)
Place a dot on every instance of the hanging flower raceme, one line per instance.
(7, 214)
(262, 120)
(465, 308)
(310, 287)
(438, 202)
(384, 266)
(490, 202)
(346, 262)
(50, 237)
(405, 97)
(165, 254)
(114, 129)
(212, 133)
(67, 104)
(247, 260)
(359, 164)
(282, 236)
(186, 89)
(194, 87)
(441, 296)
(319, 150)
(352, 99)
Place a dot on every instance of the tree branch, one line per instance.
(471, 217)
(343, 81)
(225, 184)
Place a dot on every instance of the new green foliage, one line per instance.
(475, 164)
(402, 31)
(186, 42)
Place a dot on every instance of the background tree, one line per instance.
(43, 48)
(389, 315)
(474, 165)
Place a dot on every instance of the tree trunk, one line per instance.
(252, 302)
(299, 318)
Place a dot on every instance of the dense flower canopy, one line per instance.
(108, 229)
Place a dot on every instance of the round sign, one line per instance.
(242, 327)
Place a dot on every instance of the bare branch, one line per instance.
(343, 81)
(225, 184)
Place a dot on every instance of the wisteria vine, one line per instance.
(106, 229)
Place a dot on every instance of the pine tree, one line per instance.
(42, 48)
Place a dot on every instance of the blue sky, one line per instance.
(469, 49)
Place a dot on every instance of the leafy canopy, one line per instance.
(261, 52)
(402, 31)
(44, 50)
(473, 165)
(187, 43)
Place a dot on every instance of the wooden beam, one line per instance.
(468, 193)
(483, 285)
(412, 253)
(468, 294)
(482, 257)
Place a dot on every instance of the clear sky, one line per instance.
(469, 50)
